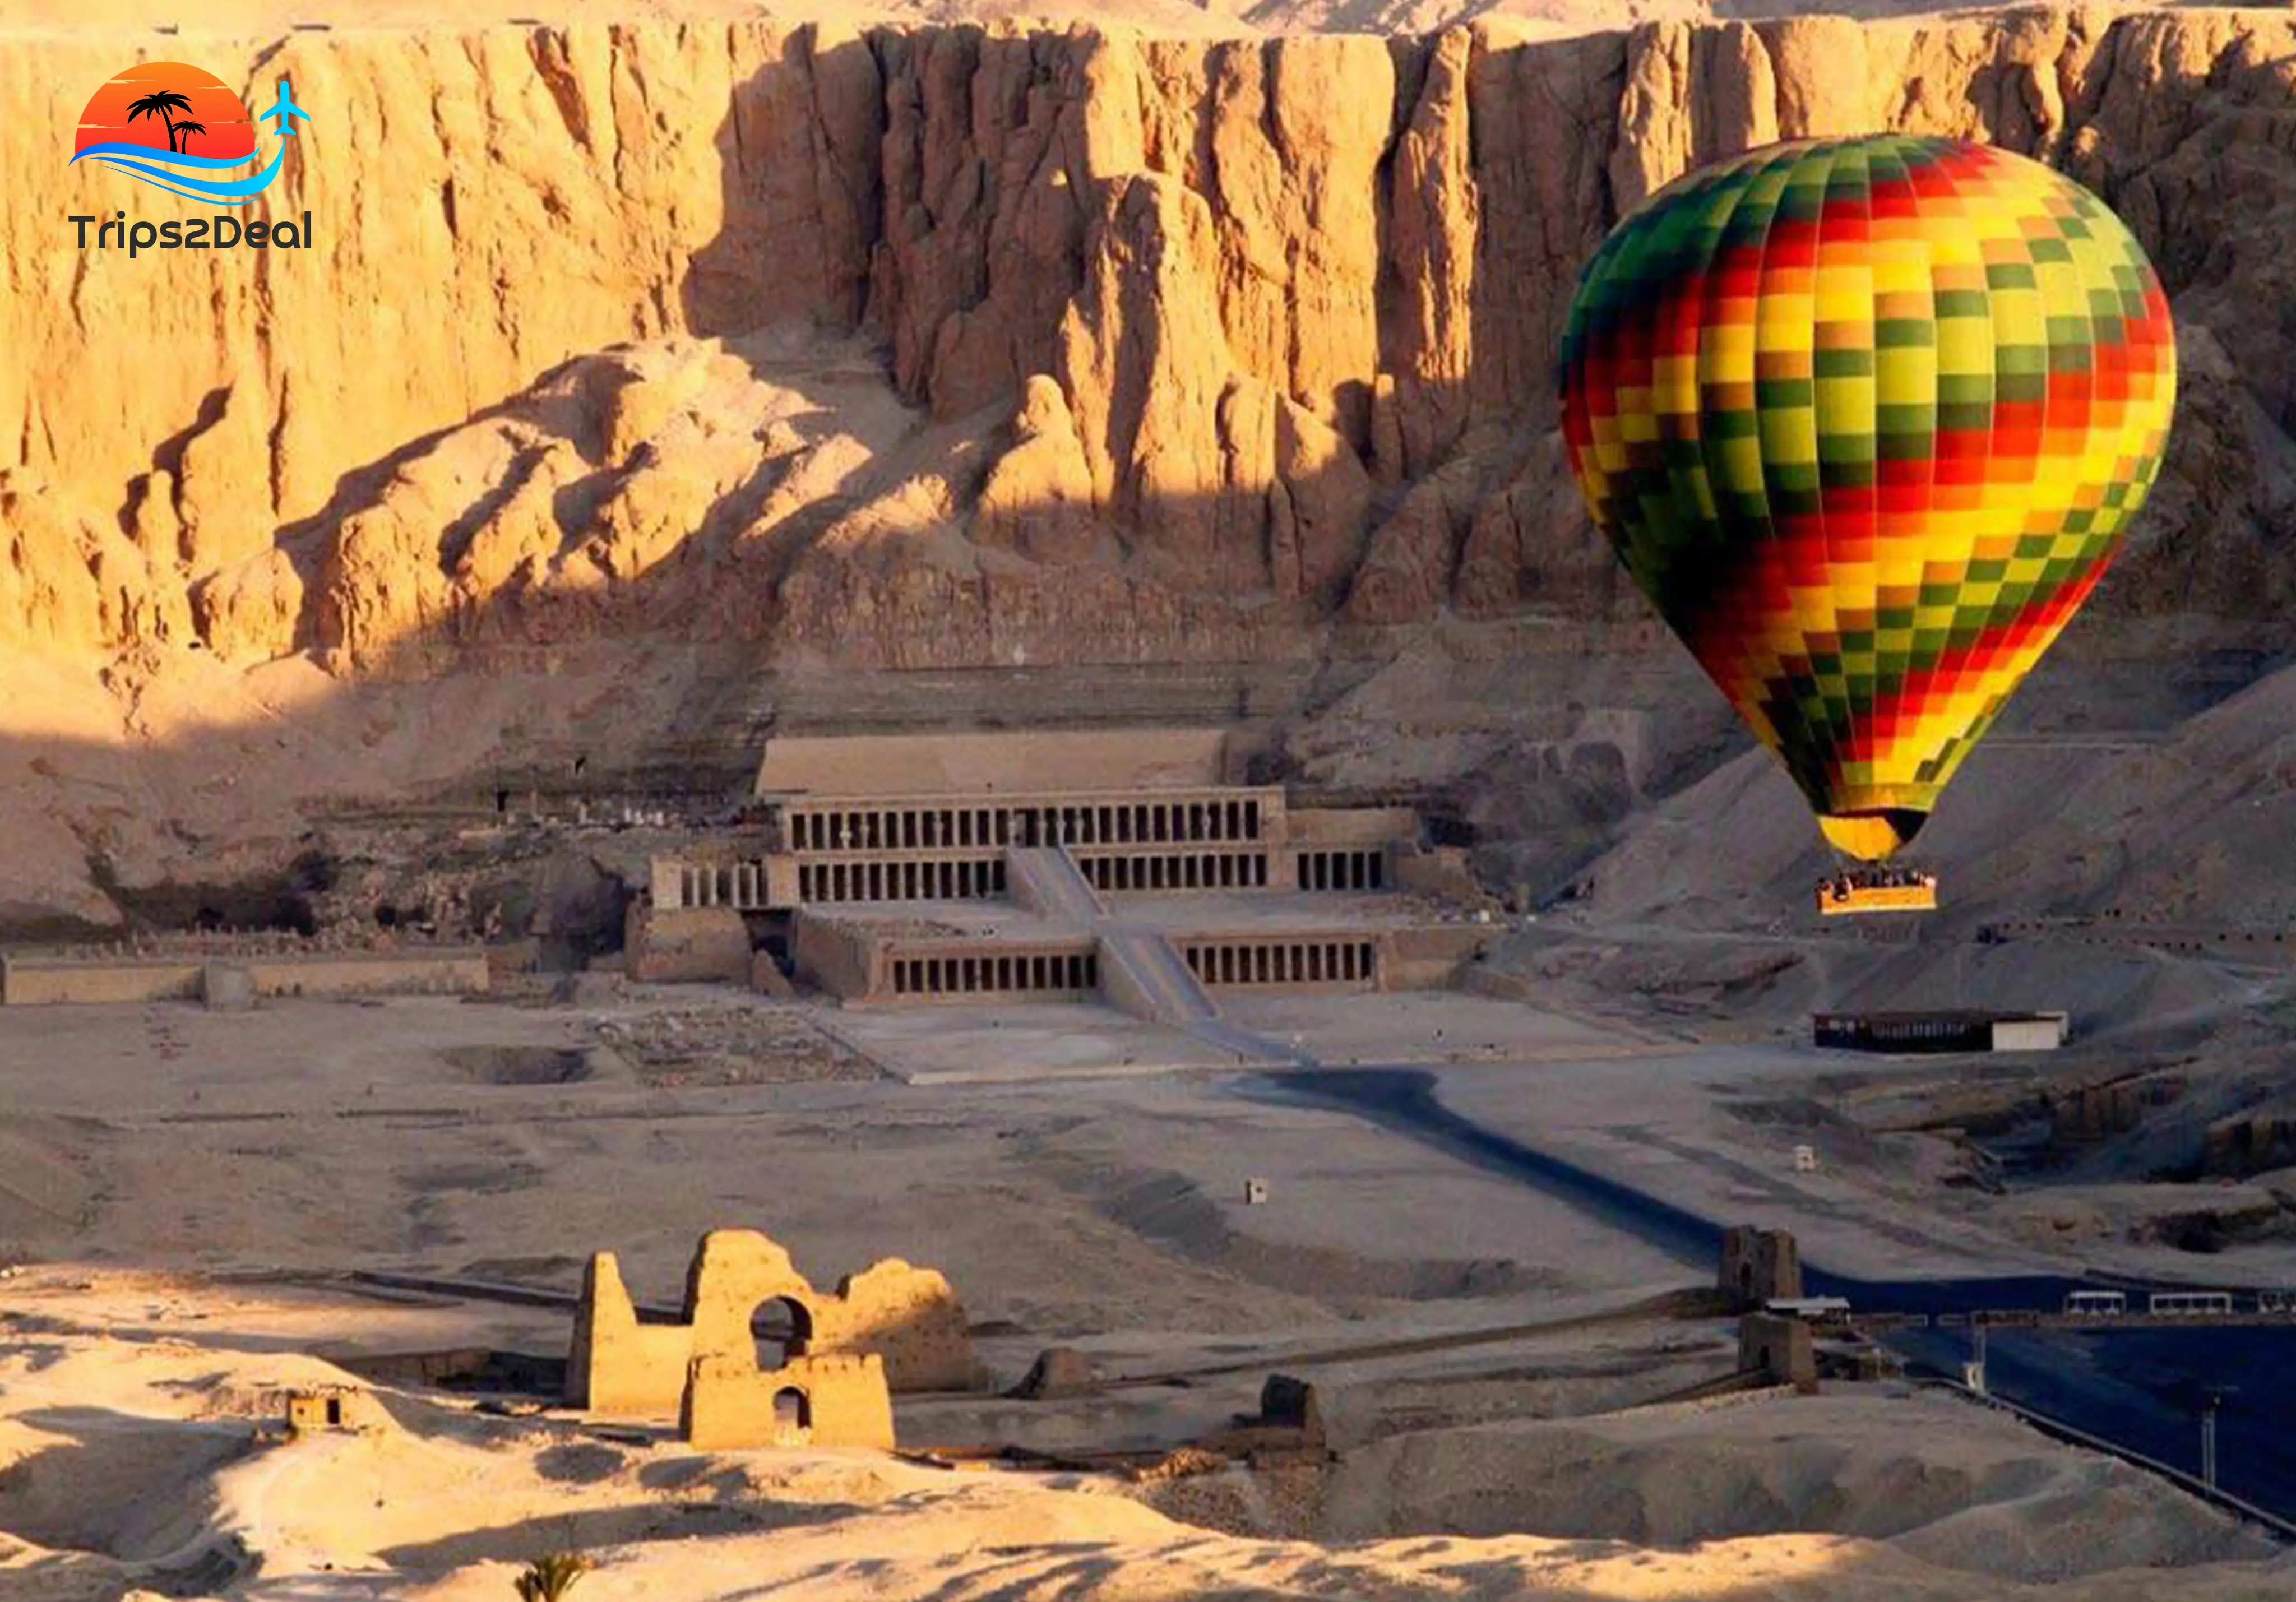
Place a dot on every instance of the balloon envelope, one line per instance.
(1866, 419)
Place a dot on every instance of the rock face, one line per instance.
(1121, 349)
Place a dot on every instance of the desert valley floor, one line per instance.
(1480, 1347)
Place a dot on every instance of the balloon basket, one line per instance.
(1864, 894)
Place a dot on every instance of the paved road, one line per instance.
(2142, 1389)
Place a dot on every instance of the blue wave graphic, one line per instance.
(144, 152)
(152, 167)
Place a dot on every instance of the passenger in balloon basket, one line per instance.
(1841, 886)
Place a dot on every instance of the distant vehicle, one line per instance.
(2188, 1304)
(1876, 890)
(2276, 1302)
(2097, 1304)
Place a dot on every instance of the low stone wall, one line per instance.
(2044, 1033)
(1431, 957)
(836, 955)
(686, 945)
(1442, 872)
(1350, 826)
(35, 980)
(29, 981)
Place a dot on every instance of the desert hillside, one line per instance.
(645, 376)
(144, 1465)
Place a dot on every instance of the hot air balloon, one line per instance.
(1866, 419)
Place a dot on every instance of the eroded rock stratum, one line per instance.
(919, 347)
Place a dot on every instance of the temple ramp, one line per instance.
(1046, 880)
(1141, 973)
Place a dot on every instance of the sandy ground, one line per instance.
(1713, 1130)
(313, 1134)
(319, 1135)
(141, 1459)
(979, 1045)
(1435, 1026)
(1023, 1043)
(170, 1164)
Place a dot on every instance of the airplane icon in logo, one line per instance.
(285, 109)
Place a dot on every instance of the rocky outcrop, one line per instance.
(1039, 498)
(74, 583)
(2250, 1144)
(1157, 346)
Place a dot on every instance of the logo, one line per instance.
(182, 130)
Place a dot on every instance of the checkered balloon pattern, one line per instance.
(1866, 419)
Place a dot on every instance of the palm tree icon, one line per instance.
(185, 130)
(161, 104)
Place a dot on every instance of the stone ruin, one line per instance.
(1759, 1267)
(1287, 1429)
(890, 1327)
(317, 1410)
(1059, 1372)
(839, 1400)
(1778, 1350)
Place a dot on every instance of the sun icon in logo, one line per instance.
(183, 129)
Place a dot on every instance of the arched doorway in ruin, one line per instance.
(793, 1412)
(782, 1328)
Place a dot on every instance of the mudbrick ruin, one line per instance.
(908, 1320)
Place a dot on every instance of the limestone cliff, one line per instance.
(958, 345)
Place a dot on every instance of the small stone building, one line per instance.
(1782, 1350)
(1758, 1266)
(908, 1321)
(318, 1408)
